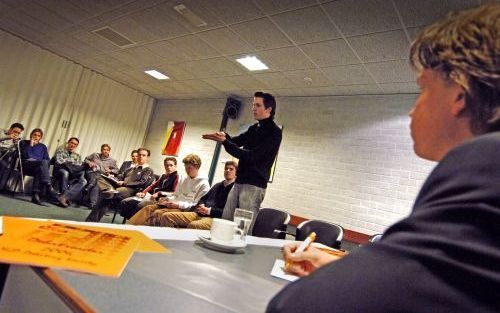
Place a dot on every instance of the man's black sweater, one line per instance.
(256, 150)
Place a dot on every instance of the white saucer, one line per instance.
(226, 246)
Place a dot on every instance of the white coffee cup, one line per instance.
(223, 230)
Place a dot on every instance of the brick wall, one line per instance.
(348, 160)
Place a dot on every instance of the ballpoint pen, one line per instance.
(303, 246)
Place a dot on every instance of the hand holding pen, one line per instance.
(302, 259)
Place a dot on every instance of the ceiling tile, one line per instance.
(284, 59)
(161, 23)
(111, 60)
(127, 8)
(78, 45)
(95, 7)
(48, 17)
(261, 34)
(22, 18)
(348, 75)
(235, 10)
(222, 84)
(66, 9)
(323, 91)
(200, 69)
(357, 17)
(409, 87)
(199, 7)
(424, 12)
(167, 51)
(194, 48)
(307, 78)
(225, 41)
(176, 71)
(365, 89)
(95, 41)
(179, 87)
(274, 80)
(198, 85)
(392, 71)
(413, 32)
(391, 45)
(330, 53)
(247, 82)
(143, 56)
(20, 26)
(306, 25)
(275, 6)
(133, 30)
(224, 67)
(288, 92)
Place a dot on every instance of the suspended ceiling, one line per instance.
(312, 47)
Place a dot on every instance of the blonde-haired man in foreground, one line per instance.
(445, 256)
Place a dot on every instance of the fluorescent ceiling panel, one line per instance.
(252, 63)
(156, 74)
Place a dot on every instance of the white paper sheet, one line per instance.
(278, 271)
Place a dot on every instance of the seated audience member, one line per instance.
(159, 188)
(99, 164)
(68, 167)
(444, 256)
(8, 141)
(125, 185)
(188, 193)
(210, 205)
(36, 162)
(127, 164)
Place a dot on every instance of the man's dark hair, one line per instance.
(144, 149)
(74, 138)
(269, 101)
(169, 158)
(105, 145)
(134, 151)
(36, 130)
(17, 125)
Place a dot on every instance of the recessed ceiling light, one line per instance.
(156, 74)
(252, 63)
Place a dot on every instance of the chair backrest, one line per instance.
(268, 220)
(375, 238)
(329, 234)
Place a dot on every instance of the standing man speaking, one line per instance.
(256, 150)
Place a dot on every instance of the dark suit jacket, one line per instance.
(124, 167)
(445, 257)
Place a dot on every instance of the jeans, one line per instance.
(244, 196)
(39, 169)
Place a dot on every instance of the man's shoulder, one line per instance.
(478, 149)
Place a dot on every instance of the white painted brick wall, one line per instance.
(344, 159)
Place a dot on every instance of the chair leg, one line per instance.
(114, 215)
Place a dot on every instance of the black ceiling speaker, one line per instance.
(232, 109)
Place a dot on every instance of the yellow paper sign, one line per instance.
(51, 244)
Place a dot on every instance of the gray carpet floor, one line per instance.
(21, 205)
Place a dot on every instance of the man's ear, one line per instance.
(458, 106)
